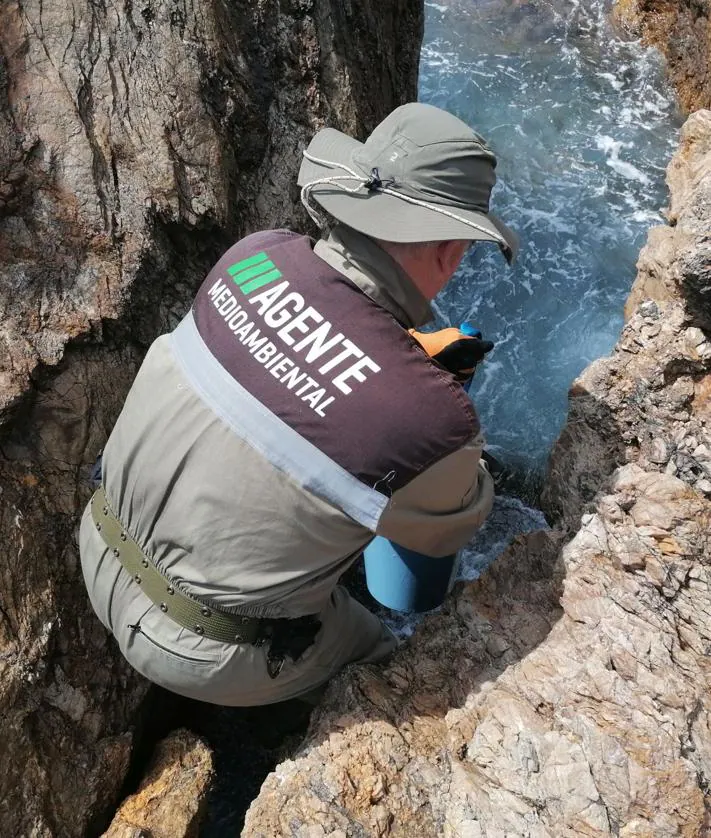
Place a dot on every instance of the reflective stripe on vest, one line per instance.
(278, 443)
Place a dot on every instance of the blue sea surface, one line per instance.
(583, 125)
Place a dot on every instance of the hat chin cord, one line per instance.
(337, 180)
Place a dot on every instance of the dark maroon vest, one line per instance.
(331, 363)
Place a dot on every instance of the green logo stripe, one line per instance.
(264, 279)
(246, 263)
(243, 276)
(254, 272)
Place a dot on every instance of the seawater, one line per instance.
(583, 125)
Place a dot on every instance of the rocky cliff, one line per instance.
(136, 142)
(566, 692)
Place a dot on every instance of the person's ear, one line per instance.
(450, 254)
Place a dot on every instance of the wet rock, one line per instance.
(682, 30)
(171, 798)
(136, 143)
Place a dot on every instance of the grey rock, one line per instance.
(659, 451)
(702, 452)
(649, 309)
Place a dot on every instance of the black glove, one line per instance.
(462, 356)
(455, 351)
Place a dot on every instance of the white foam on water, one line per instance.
(612, 149)
(583, 125)
(647, 217)
(616, 83)
(552, 219)
(628, 170)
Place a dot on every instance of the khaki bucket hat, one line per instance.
(422, 175)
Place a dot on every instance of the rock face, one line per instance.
(171, 798)
(136, 142)
(565, 693)
(682, 30)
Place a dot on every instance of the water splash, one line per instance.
(583, 125)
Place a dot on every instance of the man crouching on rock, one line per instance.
(289, 418)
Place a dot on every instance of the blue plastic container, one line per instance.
(404, 580)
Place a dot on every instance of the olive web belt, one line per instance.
(184, 609)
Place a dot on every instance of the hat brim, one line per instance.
(388, 217)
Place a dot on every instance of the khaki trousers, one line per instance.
(207, 670)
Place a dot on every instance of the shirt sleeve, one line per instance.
(439, 511)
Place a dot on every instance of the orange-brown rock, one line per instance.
(171, 798)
